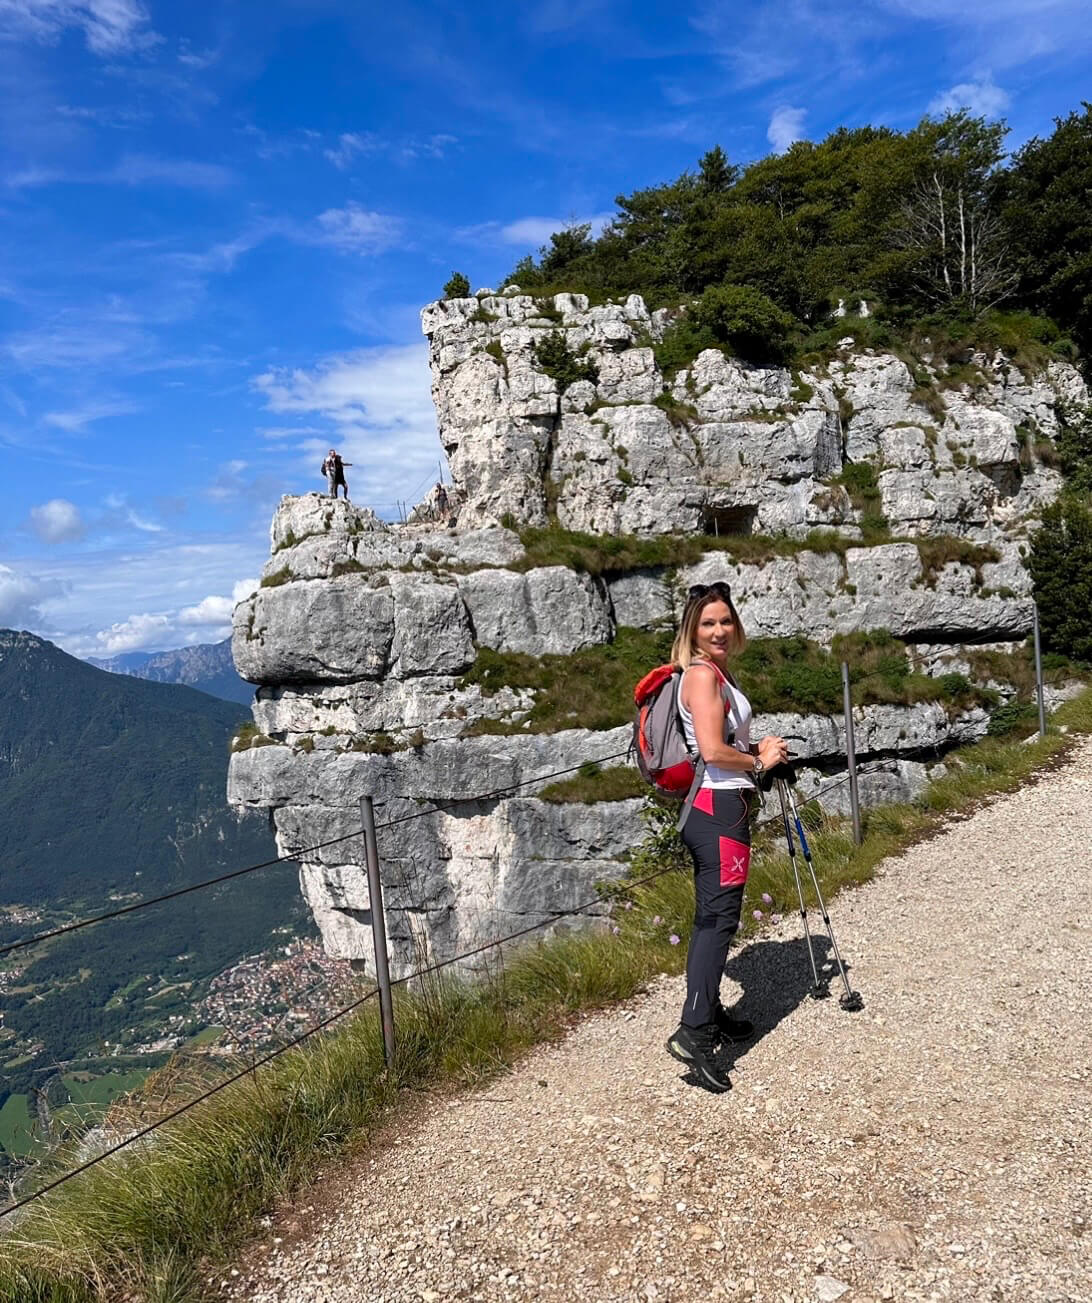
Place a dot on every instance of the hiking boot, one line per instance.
(732, 1030)
(696, 1047)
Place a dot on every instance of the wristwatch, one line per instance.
(759, 767)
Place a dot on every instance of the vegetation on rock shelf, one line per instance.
(593, 688)
(594, 783)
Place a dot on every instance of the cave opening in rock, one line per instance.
(728, 520)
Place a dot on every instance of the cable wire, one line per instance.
(79, 924)
(583, 907)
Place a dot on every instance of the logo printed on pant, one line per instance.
(735, 860)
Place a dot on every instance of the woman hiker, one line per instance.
(716, 832)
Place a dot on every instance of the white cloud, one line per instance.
(74, 419)
(982, 98)
(354, 229)
(57, 521)
(186, 173)
(378, 406)
(21, 595)
(138, 632)
(213, 613)
(109, 26)
(351, 144)
(528, 232)
(786, 127)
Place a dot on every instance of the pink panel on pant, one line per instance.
(704, 800)
(735, 860)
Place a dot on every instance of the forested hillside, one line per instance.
(113, 789)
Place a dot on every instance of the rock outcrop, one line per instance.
(363, 635)
(724, 444)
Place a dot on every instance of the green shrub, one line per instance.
(545, 307)
(680, 344)
(1061, 569)
(858, 478)
(745, 320)
(1074, 447)
(554, 356)
(1020, 717)
(278, 577)
(458, 287)
(496, 352)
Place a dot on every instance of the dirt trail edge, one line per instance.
(933, 1146)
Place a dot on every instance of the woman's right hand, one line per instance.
(773, 751)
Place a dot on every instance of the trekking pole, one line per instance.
(818, 991)
(852, 1000)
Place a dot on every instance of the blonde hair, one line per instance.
(684, 650)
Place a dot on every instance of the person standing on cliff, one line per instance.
(717, 831)
(334, 470)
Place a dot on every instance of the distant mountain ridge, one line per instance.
(208, 667)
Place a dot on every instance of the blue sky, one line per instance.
(221, 220)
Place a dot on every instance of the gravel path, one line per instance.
(934, 1146)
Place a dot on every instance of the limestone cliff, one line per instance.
(363, 633)
(752, 447)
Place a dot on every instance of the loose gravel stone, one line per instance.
(934, 1146)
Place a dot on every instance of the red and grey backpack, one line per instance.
(659, 742)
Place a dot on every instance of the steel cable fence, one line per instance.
(440, 965)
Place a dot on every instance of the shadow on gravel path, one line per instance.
(776, 978)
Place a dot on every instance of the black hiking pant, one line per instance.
(718, 835)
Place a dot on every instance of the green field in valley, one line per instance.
(16, 1136)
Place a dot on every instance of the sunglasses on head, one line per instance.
(698, 591)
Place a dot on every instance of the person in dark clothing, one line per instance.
(334, 470)
(717, 831)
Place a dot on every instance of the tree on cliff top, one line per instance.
(832, 220)
(1047, 197)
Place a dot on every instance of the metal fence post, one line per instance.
(379, 928)
(851, 757)
(1039, 672)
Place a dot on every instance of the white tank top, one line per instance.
(741, 716)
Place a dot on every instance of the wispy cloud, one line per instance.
(82, 342)
(186, 173)
(74, 420)
(131, 170)
(110, 27)
(268, 146)
(354, 229)
(352, 145)
(982, 98)
(191, 57)
(528, 232)
(786, 127)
